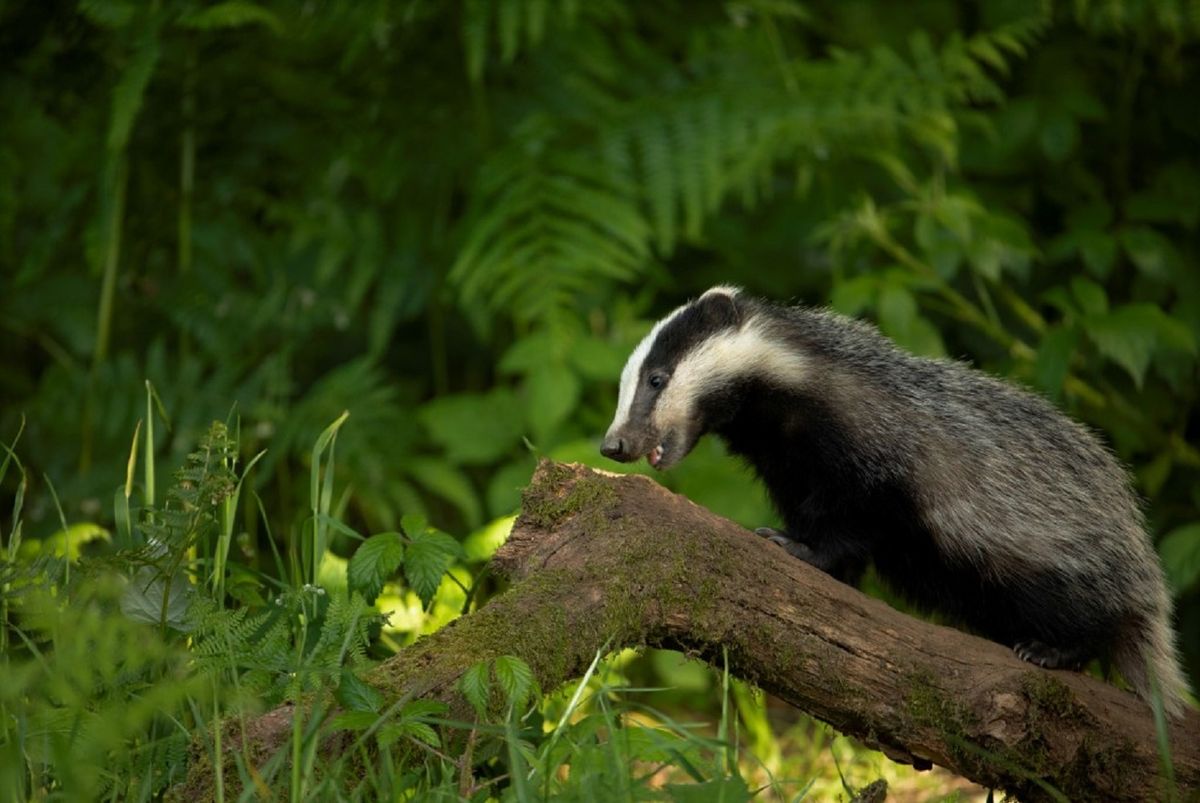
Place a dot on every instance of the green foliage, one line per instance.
(453, 221)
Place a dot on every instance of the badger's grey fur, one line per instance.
(970, 496)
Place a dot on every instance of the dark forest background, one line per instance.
(455, 219)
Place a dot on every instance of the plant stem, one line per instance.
(108, 285)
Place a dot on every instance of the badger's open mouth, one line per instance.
(655, 456)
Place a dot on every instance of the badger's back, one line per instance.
(971, 496)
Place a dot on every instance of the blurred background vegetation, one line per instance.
(454, 218)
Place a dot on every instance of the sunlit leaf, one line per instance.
(429, 555)
(375, 560)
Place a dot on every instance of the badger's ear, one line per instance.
(721, 308)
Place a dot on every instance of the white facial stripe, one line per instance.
(633, 368)
(722, 289)
(738, 352)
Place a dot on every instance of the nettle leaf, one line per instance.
(475, 685)
(142, 600)
(1180, 551)
(430, 554)
(356, 695)
(373, 563)
(515, 678)
(475, 428)
(1126, 336)
(394, 732)
(354, 720)
(409, 723)
(424, 708)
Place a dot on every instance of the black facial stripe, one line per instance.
(700, 320)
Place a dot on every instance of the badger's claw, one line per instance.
(793, 547)
(771, 533)
(1047, 657)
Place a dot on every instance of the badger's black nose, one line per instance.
(613, 448)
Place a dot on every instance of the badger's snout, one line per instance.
(616, 448)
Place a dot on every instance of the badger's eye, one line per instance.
(657, 381)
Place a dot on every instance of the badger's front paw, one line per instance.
(793, 547)
(1047, 657)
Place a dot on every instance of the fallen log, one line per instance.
(597, 559)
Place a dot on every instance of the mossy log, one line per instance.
(598, 559)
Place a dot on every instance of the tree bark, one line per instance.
(598, 560)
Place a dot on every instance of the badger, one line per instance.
(971, 497)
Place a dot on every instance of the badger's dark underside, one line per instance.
(849, 516)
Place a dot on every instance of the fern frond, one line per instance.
(549, 223)
(513, 24)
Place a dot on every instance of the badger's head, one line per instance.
(678, 379)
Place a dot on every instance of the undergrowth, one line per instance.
(129, 656)
(133, 657)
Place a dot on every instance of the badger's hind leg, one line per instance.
(1048, 657)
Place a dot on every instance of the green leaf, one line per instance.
(131, 89)
(231, 14)
(595, 358)
(375, 560)
(1054, 359)
(1058, 136)
(1153, 475)
(941, 247)
(1098, 250)
(475, 428)
(515, 678)
(504, 488)
(395, 731)
(356, 695)
(1174, 333)
(725, 790)
(852, 296)
(451, 484)
(108, 13)
(899, 319)
(1127, 337)
(424, 708)
(1091, 296)
(1180, 551)
(552, 393)
(354, 720)
(142, 599)
(475, 685)
(430, 554)
(529, 353)
(1149, 251)
(897, 310)
(412, 523)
